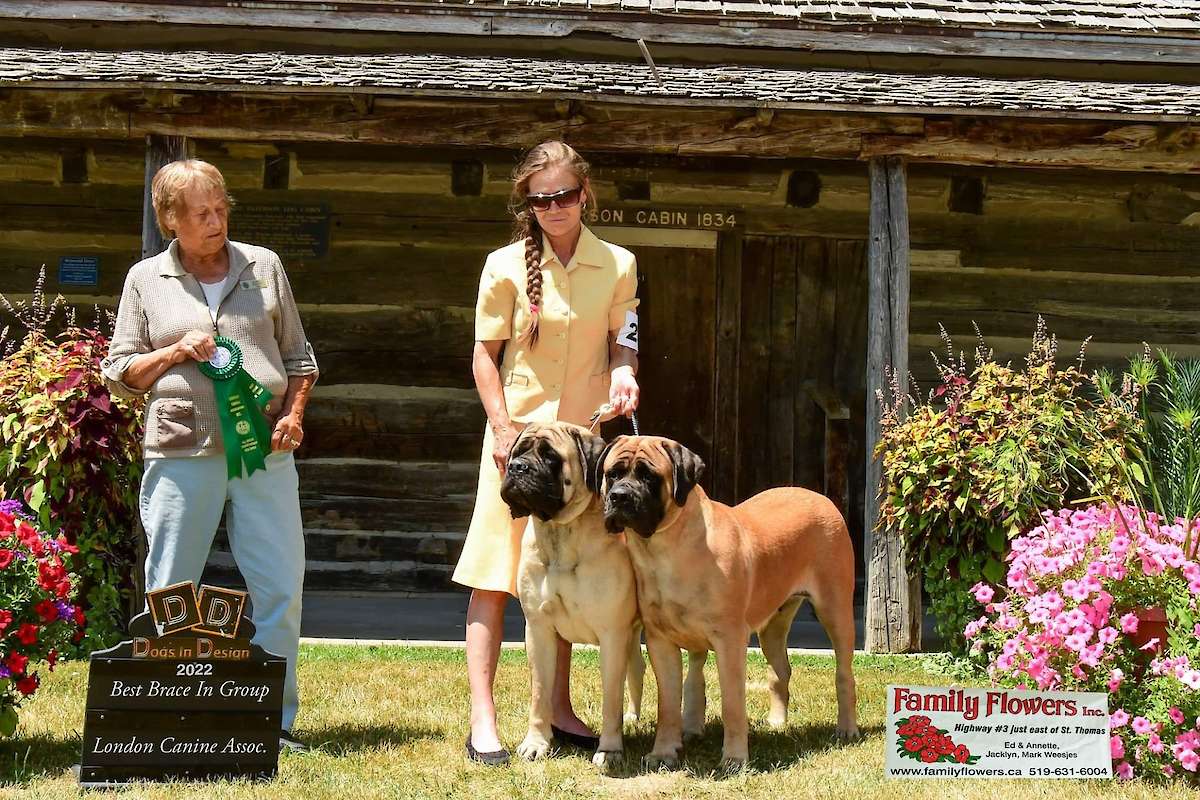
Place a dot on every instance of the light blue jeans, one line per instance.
(181, 503)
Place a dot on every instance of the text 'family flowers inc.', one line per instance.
(935, 732)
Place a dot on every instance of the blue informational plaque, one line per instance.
(78, 270)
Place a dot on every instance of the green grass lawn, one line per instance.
(390, 723)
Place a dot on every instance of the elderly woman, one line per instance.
(184, 316)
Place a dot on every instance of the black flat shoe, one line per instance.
(582, 741)
(496, 758)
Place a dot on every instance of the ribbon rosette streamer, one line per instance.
(241, 401)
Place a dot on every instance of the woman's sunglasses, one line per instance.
(567, 198)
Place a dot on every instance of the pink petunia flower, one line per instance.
(1118, 718)
(1116, 676)
(1141, 726)
(1117, 746)
(1129, 623)
(1125, 771)
(983, 593)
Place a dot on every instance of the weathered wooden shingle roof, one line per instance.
(1143, 16)
(453, 75)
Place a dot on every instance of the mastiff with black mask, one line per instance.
(574, 579)
(708, 575)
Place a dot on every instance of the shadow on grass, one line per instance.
(24, 759)
(342, 739)
(770, 749)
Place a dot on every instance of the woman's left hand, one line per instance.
(623, 392)
(288, 434)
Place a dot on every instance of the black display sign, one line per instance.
(295, 232)
(199, 702)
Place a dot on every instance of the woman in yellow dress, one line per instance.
(552, 306)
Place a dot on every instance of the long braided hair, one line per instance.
(544, 155)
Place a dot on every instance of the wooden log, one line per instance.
(1037, 143)
(160, 151)
(850, 379)
(893, 605)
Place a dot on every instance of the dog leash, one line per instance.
(605, 409)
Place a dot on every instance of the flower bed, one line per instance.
(1068, 617)
(37, 619)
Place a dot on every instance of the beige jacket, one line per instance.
(161, 302)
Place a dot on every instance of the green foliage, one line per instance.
(1164, 468)
(976, 463)
(72, 453)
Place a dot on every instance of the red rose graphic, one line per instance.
(929, 756)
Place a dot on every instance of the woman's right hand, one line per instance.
(196, 345)
(505, 438)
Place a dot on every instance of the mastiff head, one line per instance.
(646, 480)
(551, 471)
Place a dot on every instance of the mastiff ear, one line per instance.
(591, 449)
(687, 469)
(598, 472)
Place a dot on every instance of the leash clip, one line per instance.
(606, 408)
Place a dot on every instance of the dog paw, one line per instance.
(660, 761)
(609, 761)
(777, 723)
(848, 734)
(533, 747)
(733, 763)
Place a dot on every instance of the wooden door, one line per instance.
(677, 284)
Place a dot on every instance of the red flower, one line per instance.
(66, 546)
(913, 745)
(50, 573)
(16, 663)
(5, 620)
(929, 756)
(27, 633)
(52, 659)
(28, 685)
(961, 754)
(6, 523)
(945, 745)
(6, 558)
(47, 611)
(80, 617)
(78, 637)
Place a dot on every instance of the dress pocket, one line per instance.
(175, 424)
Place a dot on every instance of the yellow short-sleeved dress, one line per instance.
(565, 377)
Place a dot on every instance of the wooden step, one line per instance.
(351, 546)
(400, 423)
(451, 512)
(368, 477)
(381, 576)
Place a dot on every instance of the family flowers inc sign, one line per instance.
(997, 733)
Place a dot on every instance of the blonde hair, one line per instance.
(544, 155)
(173, 180)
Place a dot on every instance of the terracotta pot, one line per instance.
(1152, 624)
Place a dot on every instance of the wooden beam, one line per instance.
(160, 151)
(979, 141)
(893, 603)
(754, 32)
(597, 126)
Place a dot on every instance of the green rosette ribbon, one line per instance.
(241, 401)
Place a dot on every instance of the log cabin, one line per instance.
(811, 188)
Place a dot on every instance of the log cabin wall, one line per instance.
(394, 426)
